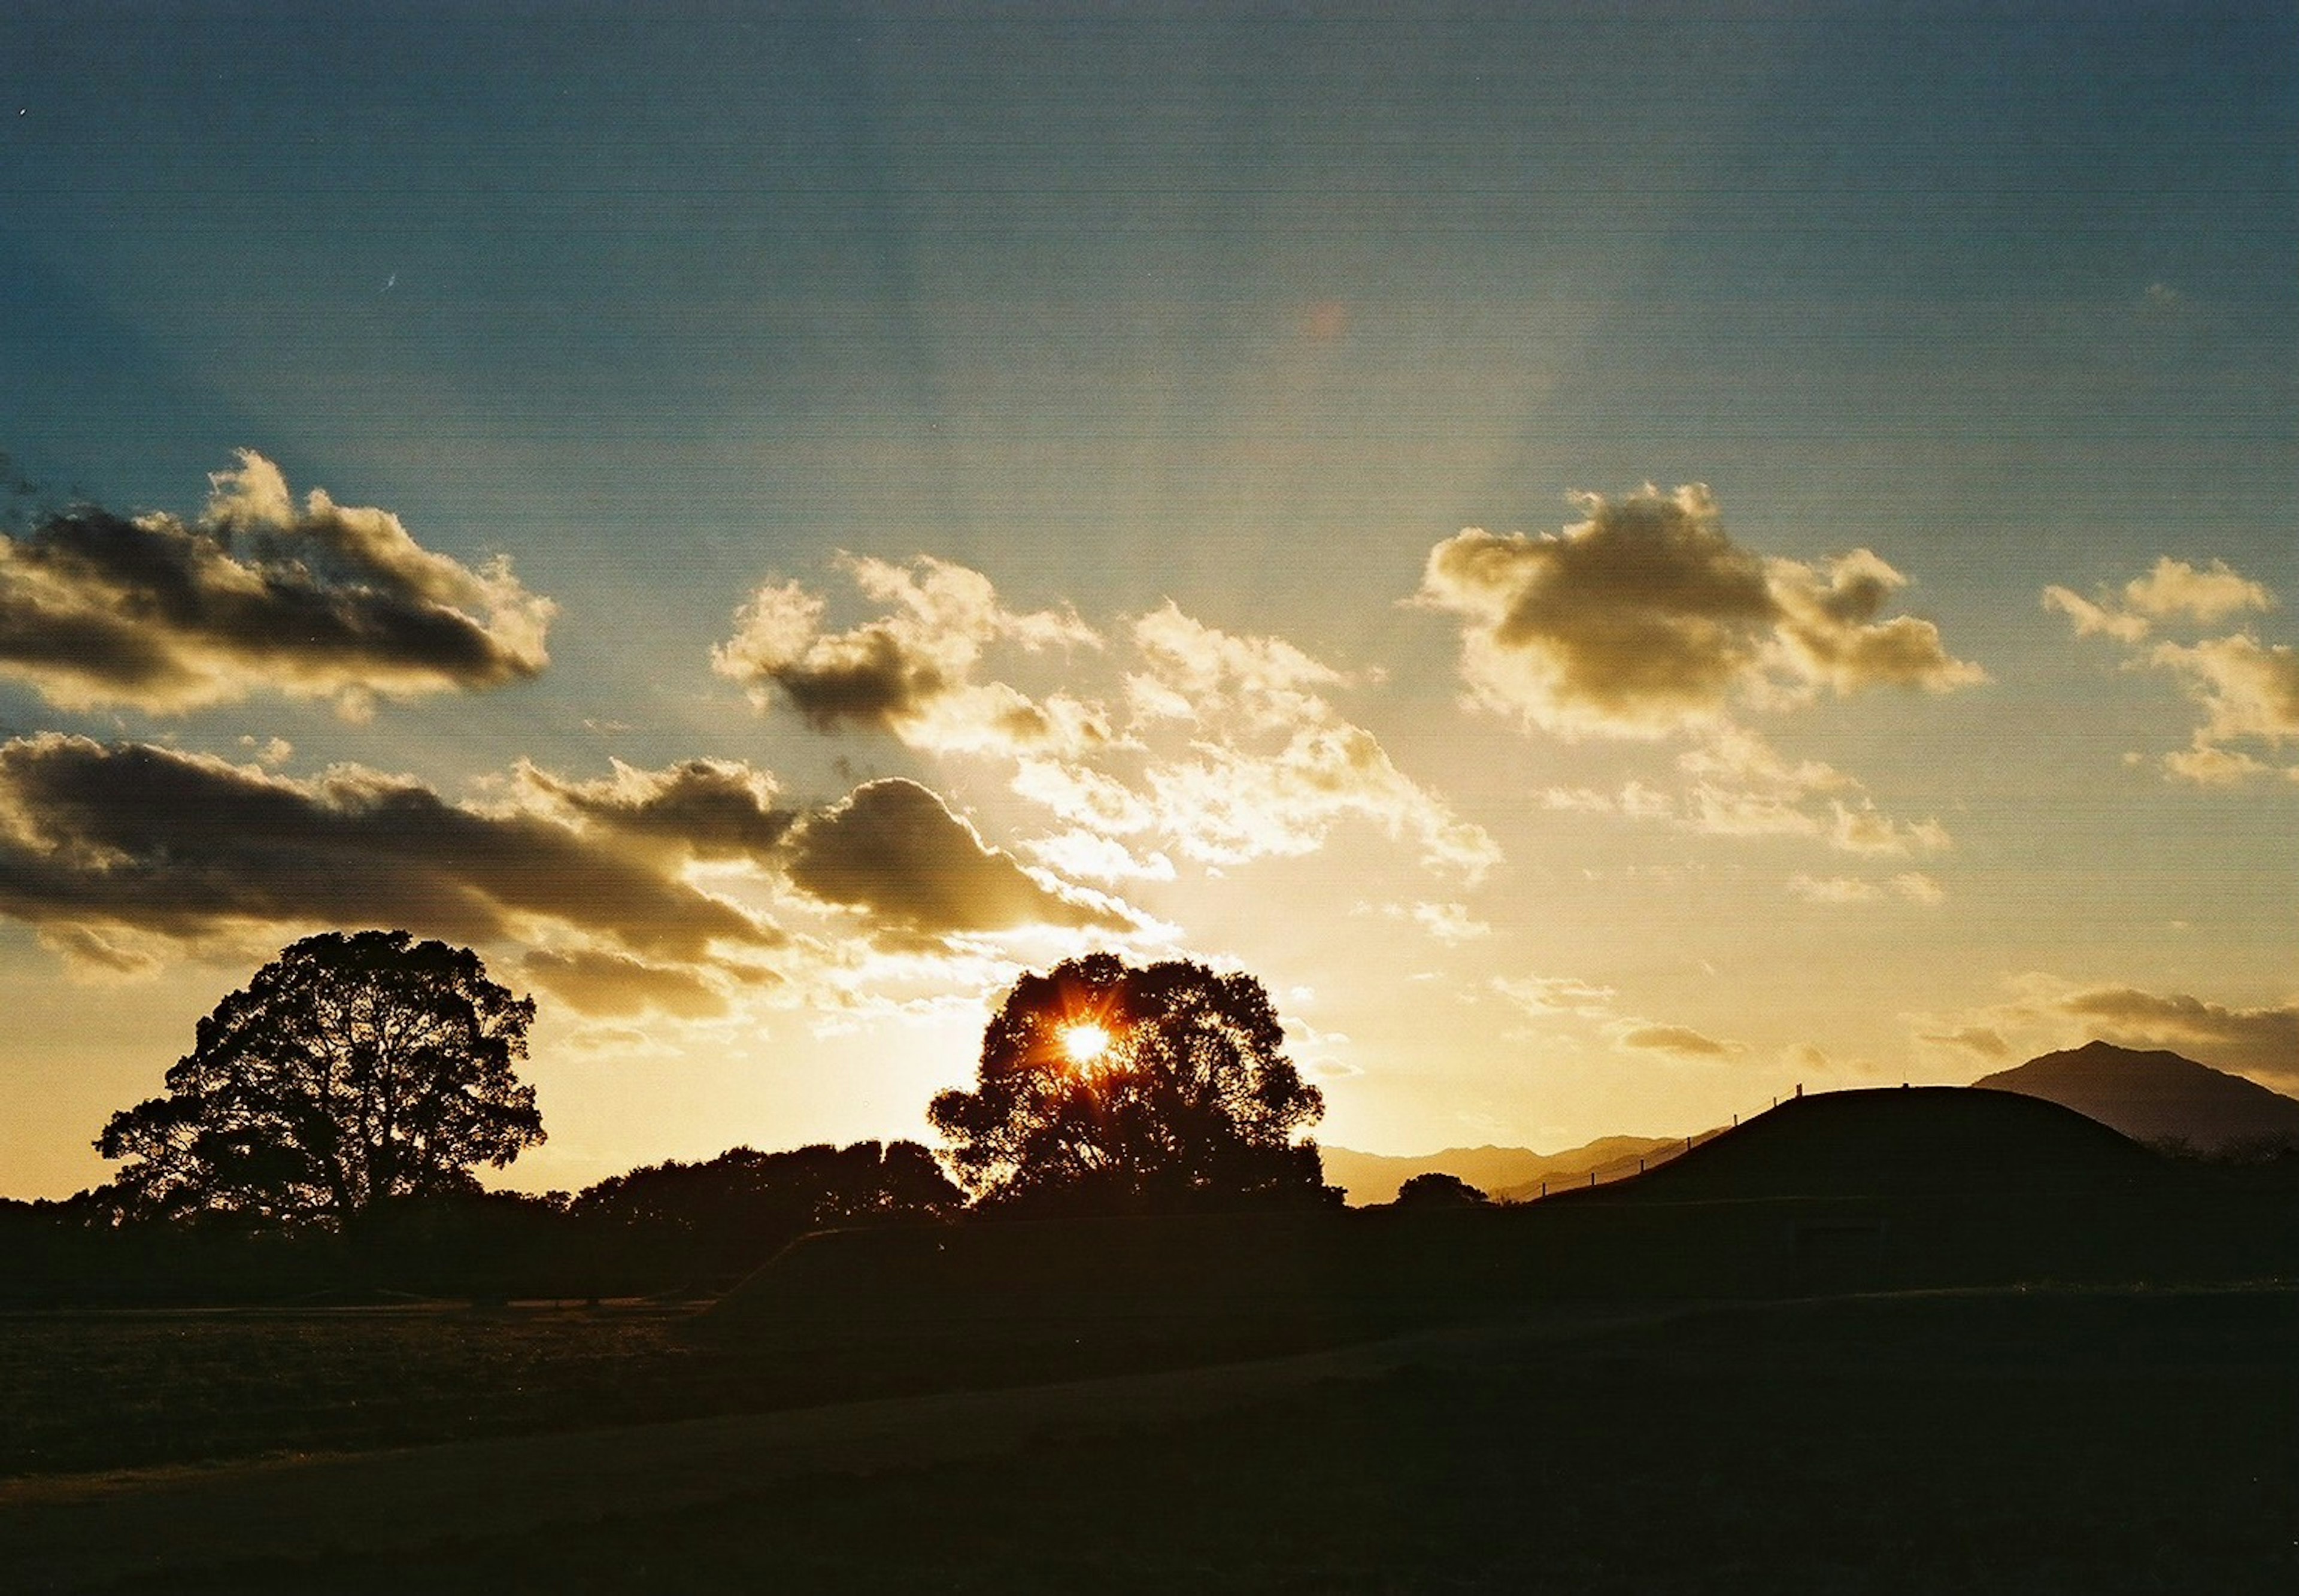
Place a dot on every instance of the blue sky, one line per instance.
(1250, 315)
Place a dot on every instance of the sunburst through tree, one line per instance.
(1107, 1087)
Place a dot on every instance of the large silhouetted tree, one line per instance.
(353, 1069)
(1104, 1087)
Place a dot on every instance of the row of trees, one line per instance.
(359, 1082)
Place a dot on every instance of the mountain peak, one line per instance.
(2155, 1095)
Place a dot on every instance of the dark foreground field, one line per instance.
(2029, 1441)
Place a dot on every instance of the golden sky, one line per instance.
(1618, 565)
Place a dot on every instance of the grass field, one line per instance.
(2079, 1440)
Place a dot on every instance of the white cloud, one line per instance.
(1545, 995)
(1228, 747)
(2247, 690)
(1450, 922)
(1742, 787)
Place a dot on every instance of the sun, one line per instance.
(1085, 1043)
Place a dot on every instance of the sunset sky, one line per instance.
(1618, 565)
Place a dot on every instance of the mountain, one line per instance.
(2156, 1096)
(1507, 1173)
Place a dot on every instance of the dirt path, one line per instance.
(68, 1533)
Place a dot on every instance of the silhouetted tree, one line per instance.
(1104, 1087)
(732, 1212)
(1437, 1189)
(352, 1070)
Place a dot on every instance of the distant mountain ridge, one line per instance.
(1506, 1174)
(2155, 1096)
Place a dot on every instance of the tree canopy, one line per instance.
(1434, 1188)
(1105, 1087)
(353, 1069)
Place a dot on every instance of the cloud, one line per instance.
(2248, 690)
(2263, 1041)
(894, 852)
(2097, 621)
(1648, 619)
(1450, 922)
(1224, 748)
(611, 985)
(1913, 886)
(1081, 853)
(1984, 1041)
(1642, 1036)
(1545, 995)
(2176, 588)
(908, 673)
(1834, 889)
(1917, 887)
(1741, 786)
(120, 855)
(706, 809)
(1205, 676)
(1229, 804)
(317, 601)
(2046, 1013)
(97, 842)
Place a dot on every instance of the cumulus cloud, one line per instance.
(1646, 618)
(2247, 690)
(893, 851)
(99, 840)
(2209, 596)
(316, 600)
(120, 854)
(707, 809)
(910, 672)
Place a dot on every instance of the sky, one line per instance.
(1620, 559)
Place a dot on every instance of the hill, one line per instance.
(1887, 1142)
(2156, 1096)
(1506, 1173)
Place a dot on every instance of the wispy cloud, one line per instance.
(2247, 690)
(317, 600)
(1739, 785)
(1204, 745)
